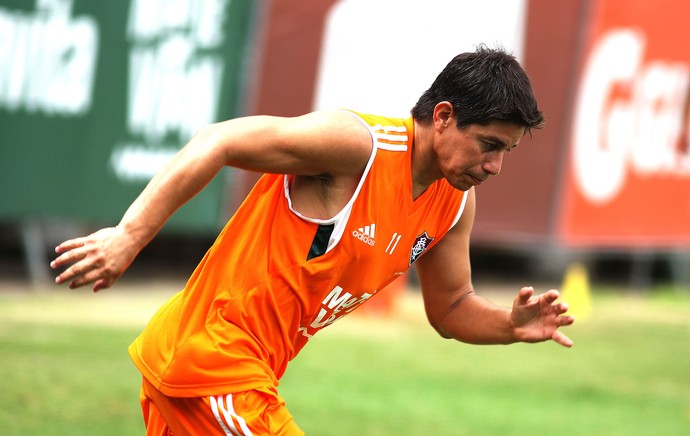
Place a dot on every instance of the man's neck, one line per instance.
(424, 171)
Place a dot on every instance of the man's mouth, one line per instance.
(476, 180)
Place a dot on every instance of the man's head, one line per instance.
(483, 86)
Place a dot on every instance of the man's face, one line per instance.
(467, 157)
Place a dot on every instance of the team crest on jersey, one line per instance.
(421, 243)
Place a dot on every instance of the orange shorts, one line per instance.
(256, 412)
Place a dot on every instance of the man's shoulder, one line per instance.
(378, 120)
(388, 133)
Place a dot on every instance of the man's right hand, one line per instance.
(100, 258)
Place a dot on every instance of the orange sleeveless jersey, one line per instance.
(274, 278)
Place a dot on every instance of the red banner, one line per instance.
(627, 178)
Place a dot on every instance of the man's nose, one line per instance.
(492, 163)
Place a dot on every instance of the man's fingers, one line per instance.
(560, 308)
(71, 274)
(565, 320)
(525, 294)
(102, 284)
(562, 339)
(87, 260)
(92, 276)
(528, 291)
(72, 256)
(551, 295)
(70, 244)
(82, 266)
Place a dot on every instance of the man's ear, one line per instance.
(443, 115)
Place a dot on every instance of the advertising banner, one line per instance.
(96, 96)
(628, 163)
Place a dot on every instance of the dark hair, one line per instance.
(483, 86)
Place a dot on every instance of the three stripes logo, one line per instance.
(366, 234)
(231, 423)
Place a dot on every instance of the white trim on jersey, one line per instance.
(379, 134)
(461, 209)
(227, 420)
(384, 135)
(341, 219)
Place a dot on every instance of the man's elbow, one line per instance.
(439, 327)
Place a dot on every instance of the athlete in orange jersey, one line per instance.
(348, 203)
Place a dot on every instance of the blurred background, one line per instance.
(95, 96)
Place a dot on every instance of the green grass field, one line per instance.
(64, 371)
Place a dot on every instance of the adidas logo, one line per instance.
(366, 234)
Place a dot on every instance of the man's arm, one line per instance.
(323, 143)
(455, 311)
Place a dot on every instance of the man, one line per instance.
(348, 202)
